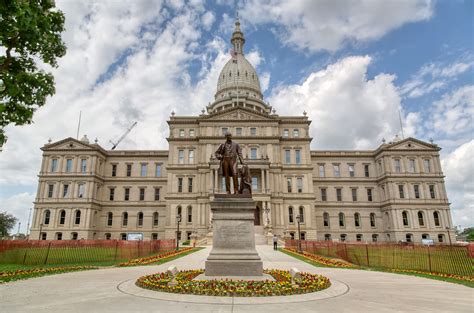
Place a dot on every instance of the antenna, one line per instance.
(115, 144)
(78, 125)
(401, 125)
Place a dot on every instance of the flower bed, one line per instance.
(453, 276)
(322, 260)
(238, 288)
(24, 274)
(154, 258)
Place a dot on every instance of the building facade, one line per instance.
(393, 193)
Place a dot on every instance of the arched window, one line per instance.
(409, 237)
(154, 236)
(77, 217)
(436, 218)
(123, 236)
(62, 217)
(326, 219)
(372, 219)
(301, 209)
(342, 221)
(343, 237)
(74, 236)
(47, 217)
(359, 237)
(179, 211)
(405, 218)
(59, 236)
(140, 219)
(327, 236)
(290, 215)
(190, 214)
(107, 236)
(110, 216)
(421, 220)
(155, 219)
(425, 236)
(440, 237)
(375, 237)
(124, 219)
(357, 220)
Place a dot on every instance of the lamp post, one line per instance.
(449, 236)
(178, 220)
(41, 227)
(298, 220)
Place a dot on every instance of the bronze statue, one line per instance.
(227, 153)
(245, 181)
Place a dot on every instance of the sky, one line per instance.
(353, 66)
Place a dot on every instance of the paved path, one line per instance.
(106, 291)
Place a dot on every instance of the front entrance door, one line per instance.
(257, 216)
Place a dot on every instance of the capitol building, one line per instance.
(393, 193)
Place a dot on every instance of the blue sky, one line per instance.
(352, 65)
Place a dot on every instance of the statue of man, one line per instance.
(227, 153)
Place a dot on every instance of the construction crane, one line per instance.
(115, 144)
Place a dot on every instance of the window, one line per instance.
(108, 236)
(357, 220)
(401, 191)
(110, 217)
(292, 235)
(425, 236)
(74, 236)
(140, 219)
(375, 237)
(69, 165)
(253, 131)
(398, 167)
(59, 236)
(62, 217)
(296, 132)
(321, 170)
(421, 220)
(289, 183)
(253, 153)
(323, 194)
(336, 170)
(290, 215)
(180, 184)
(224, 130)
(303, 235)
(191, 133)
(81, 191)
(254, 183)
(181, 157)
(287, 156)
(124, 219)
(327, 237)
(126, 194)
(351, 170)
(50, 190)
(338, 194)
(43, 236)
(416, 189)
(326, 219)
(369, 194)
(157, 194)
(412, 167)
(155, 219)
(123, 236)
(359, 237)
(342, 222)
(154, 236)
(286, 133)
(354, 194)
(405, 218)
(299, 184)
(47, 217)
(142, 194)
(83, 166)
(372, 219)
(77, 217)
(54, 165)
(129, 170)
(427, 165)
(298, 156)
(143, 170)
(440, 238)
(432, 191)
(190, 184)
(343, 237)
(158, 170)
(366, 170)
(65, 190)
(114, 170)
(301, 211)
(238, 131)
(181, 133)
(190, 214)
(191, 156)
(436, 218)
(111, 194)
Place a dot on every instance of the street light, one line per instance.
(449, 236)
(298, 220)
(41, 227)
(178, 220)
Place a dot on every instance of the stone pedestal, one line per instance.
(233, 245)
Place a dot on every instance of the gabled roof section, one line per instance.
(407, 144)
(238, 113)
(72, 144)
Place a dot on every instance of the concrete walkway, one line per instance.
(112, 290)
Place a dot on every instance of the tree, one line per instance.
(7, 222)
(29, 30)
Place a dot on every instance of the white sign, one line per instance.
(135, 236)
(427, 242)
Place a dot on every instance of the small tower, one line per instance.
(238, 39)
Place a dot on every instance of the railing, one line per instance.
(441, 259)
(34, 252)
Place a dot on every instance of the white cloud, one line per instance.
(208, 19)
(328, 25)
(264, 81)
(19, 206)
(459, 170)
(343, 102)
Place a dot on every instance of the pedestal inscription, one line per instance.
(233, 251)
